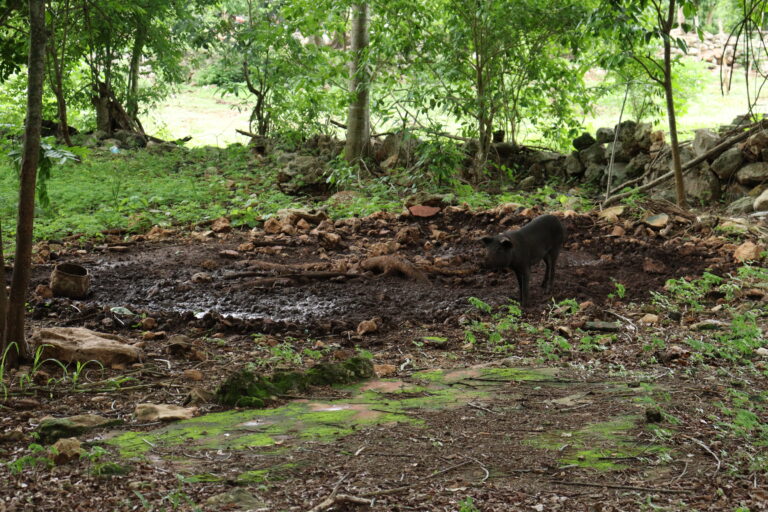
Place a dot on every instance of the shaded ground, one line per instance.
(158, 278)
(580, 440)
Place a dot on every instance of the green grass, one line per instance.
(212, 119)
(203, 114)
(136, 190)
(698, 102)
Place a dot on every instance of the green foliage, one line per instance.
(468, 505)
(495, 331)
(552, 346)
(688, 292)
(737, 345)
(743, 418)
(262, 54)
(490, 66)
(49, 156)
(619, 290)
(38, 457)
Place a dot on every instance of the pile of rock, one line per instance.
(738, 176)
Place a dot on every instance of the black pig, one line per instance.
(541, 239)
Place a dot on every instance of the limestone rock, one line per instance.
(594, 154)
(69, 344)
(573, 166)
(604, 135)
(50, 429)
(740, 206)
(702, 187)
(753, 174)
(164, 412)
(584, 141)
(761, 202)
(703, 141)
(728, 163)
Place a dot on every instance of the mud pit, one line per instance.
(253, 282)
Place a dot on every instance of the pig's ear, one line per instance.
(506, 243)
(487, 240)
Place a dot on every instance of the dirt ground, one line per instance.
(311, 288)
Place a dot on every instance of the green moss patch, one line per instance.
(603, 446)
(247, 389)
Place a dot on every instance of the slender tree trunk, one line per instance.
(3, 297)
(675, 147)
(56, 63)
(30, 158)
(132, 104)
(358, 119)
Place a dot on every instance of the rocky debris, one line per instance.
(51, 429)
(748, 251)
(65, 450)
(164, 412)
(69, 344)
(368, 326)
(727, 163)
(753, 174)
(584, 141)
(221, 225)
(301, 174)
(761, 202)
(641, 155)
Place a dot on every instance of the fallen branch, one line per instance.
(246, 133)
(622, 487)
(406, 487)
(300, 276)
(334, 498)
(392, 265)
(713, 454)
(691, 163)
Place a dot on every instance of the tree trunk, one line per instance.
(29, 161)
(3, 298)
(56, 63)
(132, 102)
(358, 120)
(675, 147)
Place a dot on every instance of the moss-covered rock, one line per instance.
(52, 429)
(247, 389)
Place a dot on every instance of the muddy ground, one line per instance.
(236, 295)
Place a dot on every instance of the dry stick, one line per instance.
(622, 487)
(406, 487)
(480, 407)
(708, 450)
(691, 164)
(336, 498)
(615, 139)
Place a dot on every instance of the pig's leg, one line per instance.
(522, 281)
(551, 260)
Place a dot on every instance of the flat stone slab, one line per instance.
(69, 344)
